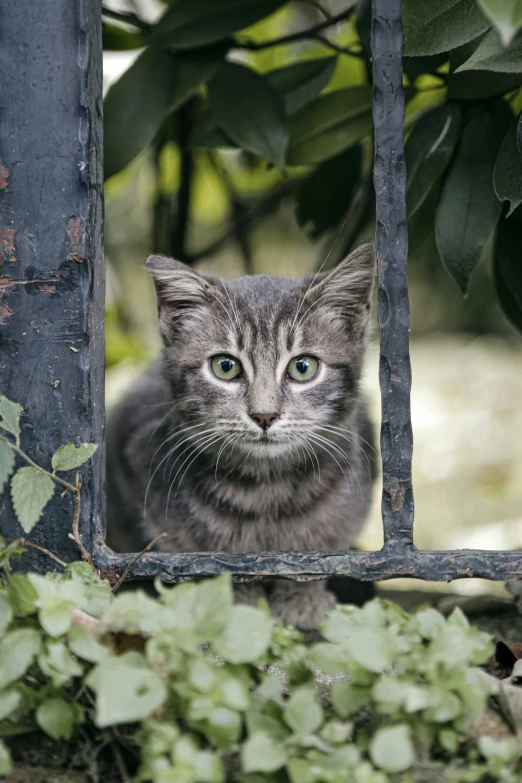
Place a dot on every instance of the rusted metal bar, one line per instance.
(392, 252)
(51, 262)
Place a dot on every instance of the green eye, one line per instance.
(303, 368)
(226, 367)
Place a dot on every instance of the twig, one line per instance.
(75, 535)
(301, 35)
(25, 542)
(122, 769)
(336, 48)
(53, 476)
(135, 560)
(128, 18)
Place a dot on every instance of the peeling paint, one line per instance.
(7, 245)
(50, 288)
(5, 312)
(4, 175)
(75, 240)
(45, 284)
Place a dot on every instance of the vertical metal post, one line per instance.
(51, 270)
(392, 253)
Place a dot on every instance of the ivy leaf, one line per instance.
(391, 748)
(347, 699)
(430, 28)
(57, 718)
(7, 460)
(246, 636)
(9, 701)
(31, 490)
(506, 15)
(160, 80)
(428, 151)
(261, 754)
(490, 55)
(469, 209)
(126, 690)
(5, 760)
(330, 658)
(370, 649)
(10, 414)
(248, 109)
(17, 652)
(508, 270)
(301, 82)
(324, 197)
(71, 456)
(22, 595)
(84, 645)
(302, 713)
(57, 663)
(195, 23)
(507, 176)
(329, 125)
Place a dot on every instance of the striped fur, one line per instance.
(185, 458)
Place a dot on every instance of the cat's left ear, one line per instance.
(346, 291)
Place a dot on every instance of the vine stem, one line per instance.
(25, 542)
(76, 535)
(52, 476)
(135, 560)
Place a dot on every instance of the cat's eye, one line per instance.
(226, 367)
(303, 368)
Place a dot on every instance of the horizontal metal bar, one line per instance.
(388, 563)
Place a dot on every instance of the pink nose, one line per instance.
(264, 420)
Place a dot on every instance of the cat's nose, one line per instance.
(264, 420)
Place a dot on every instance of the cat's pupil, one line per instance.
(227, 365)
(302, 366)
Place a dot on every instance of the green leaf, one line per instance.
(246, 637)
(418, 66)
(55, 616)
(303, 713)
(490, 55)
(428, 151)
(6, 613)
(506, 15)
(7, 460)
(58, 664)
(347, 699)
(248, 109)
(329, 125)
(504, 750)
(507, 176)
(31, 490)
(17, 652)
(84, 645)
(10, 414)
(208, 767)
(57, 718)
(330, 658)
(223, 727)
(508, 270)
(161, 81)
(126, 690)
(324, 197)
(71, 456)
(370, 649)
(261, 754)
(477, 85)
(9, 701)
(363, 25)
(301, 82)
(469, 209)
(22, 595)
(207, 133)
(5, 760)
(194, 23)
(214, 601)
(117, 39)
(391, 748)
(430, 28)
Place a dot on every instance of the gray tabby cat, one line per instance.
(251, 433)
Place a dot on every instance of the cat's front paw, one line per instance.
(302, 605)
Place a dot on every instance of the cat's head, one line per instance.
(264, 362)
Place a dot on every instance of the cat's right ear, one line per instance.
(182, 293)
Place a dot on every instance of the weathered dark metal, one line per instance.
(51, 262)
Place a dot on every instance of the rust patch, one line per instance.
(396, 493)
(46, 283)
(75, 236)
(50, 288)
(5, 312)
(4, 175)
(7, 244)
(396, 378)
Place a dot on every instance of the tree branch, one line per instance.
(127, 18)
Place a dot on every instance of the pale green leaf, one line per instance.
(347, 699)
(58, 664)
(432, 27)
(370, 649)
(6, 614)
(85, 646)
(246, 636)
(22, 595)
(223, 727)
(214, 601)
(57, 718)
(391, 748)
(9, 701)
(208, 767)
(7, 460)
(10, 415)
(195, 23)
(70, 456)
(303, 713)
(261, 754)
(490, 55)
(504, 750)
(126, 690)
(17, 652)
(249, 110)
(31, 490)
(506, 15)
(5, 760)
(507, 176)
(330, 658)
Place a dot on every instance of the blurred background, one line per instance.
(195, 185)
